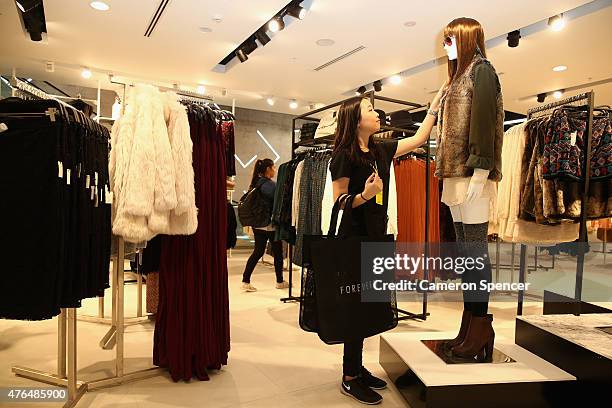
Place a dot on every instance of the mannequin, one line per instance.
(470, 131)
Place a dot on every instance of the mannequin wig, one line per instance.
(469, 37)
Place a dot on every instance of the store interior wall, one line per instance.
(274, 127)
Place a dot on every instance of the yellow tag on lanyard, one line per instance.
(379, 196)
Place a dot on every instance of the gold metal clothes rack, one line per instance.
(66, 375)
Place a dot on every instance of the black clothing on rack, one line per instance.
(54, 176)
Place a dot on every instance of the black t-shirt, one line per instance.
(370, 218)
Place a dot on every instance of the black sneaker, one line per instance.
(368, 379)
(357, 389)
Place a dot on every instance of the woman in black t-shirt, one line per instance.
(361, 167)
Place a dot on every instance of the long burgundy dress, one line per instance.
(192, 326)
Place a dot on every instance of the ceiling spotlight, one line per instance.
(395, 79)
(297, 12)
(409, 23)
(556, 23)
(293, 104)
(276, 24)
(558, 94)
(361, 90)
(242, 56)
(262, 37)
(99, 5)
(270, 101)
(559, 68)
(201, 89)
(249, 45)
(86, 73)
(541, 97)
(206, 29)
(20, 7)
(377, 86)
(513, 38)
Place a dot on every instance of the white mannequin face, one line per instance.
(451, 50)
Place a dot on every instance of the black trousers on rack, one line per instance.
(261, 239)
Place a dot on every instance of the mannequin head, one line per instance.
(450, 46)
(466, 35)
(357, 122)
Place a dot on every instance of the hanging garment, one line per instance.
(295, 202)
(232, 238)
(152, 292)
(54, 177)
(151, 168)
(552, 170)
(230, 146)
(511, 227)
(411, 185)
(192, 327)
(312, 187)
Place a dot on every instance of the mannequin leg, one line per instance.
(480, 336)
(476, 242)
(475, 218)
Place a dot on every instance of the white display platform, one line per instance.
(432, 371)
(426, 381)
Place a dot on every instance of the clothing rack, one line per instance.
(326, 142)
(66, 375)
(589, 98)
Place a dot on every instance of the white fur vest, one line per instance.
(151, 170)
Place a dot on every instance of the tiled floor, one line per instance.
(273, 363)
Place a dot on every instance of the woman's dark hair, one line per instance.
(346, 138)
(261, 166)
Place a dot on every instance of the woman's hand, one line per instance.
(435, 104)
(373, 186)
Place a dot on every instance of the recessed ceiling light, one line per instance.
(409, 23)
(270, 101)
(20, 7)
(395, 79)
(201, 89)
(217, 18)
(559, 68)
(86, 73)
(206, 29)
(325, 42)
(99, 5)
(558, 94)
(293, 104)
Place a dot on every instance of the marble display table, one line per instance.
(580, 345)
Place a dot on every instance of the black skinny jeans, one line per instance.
(261, 239)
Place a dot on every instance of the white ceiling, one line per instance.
(178, 52)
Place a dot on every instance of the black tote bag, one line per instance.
(331, 303)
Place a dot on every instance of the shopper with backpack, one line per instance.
(255, 210)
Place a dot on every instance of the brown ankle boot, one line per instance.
(478, 342)
(465, 324)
